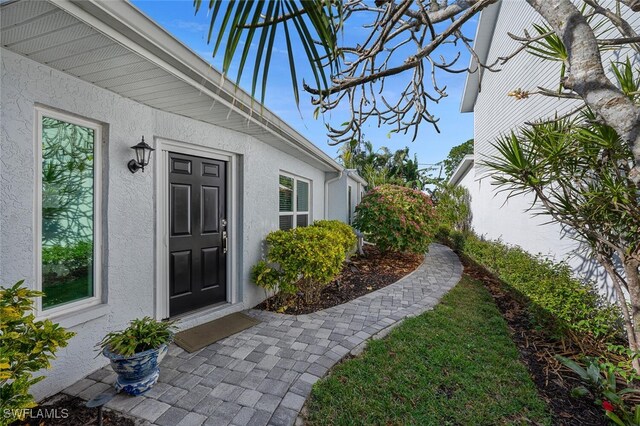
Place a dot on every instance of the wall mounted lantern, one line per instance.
(143, 155)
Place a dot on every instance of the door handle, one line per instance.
(224, 242)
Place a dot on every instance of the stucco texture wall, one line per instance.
(130, 199)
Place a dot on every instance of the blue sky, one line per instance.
(177, 17)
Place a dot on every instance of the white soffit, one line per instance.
(481, 44)
(111, 44)
(461, 171)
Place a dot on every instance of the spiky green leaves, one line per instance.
(308, 26)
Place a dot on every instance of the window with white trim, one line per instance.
(68, 207)
(295, 202)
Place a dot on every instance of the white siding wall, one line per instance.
(129, 210)
(497, 218)
(495, 113)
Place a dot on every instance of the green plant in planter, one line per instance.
(26, 346)
(141, 335)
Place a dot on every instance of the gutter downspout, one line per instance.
(326, 192)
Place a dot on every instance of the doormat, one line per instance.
(205, 334)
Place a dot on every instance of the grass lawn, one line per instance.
(455, 365)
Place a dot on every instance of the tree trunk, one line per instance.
(586, 74)
(627, 316)
(633, 286)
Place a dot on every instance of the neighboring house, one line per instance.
(83, 81)
(496, 113)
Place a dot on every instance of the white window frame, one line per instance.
(96, 299)
(350, 204)
(294, 213)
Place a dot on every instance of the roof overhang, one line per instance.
(481, 44)
(114, 45)
(353, 174)
(461, 171)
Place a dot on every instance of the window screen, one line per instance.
(294, 198)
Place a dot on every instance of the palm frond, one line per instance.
(239, 22)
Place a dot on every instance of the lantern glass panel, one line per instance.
(147, 156)
(140, 155)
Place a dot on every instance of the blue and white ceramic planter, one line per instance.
(137, 373)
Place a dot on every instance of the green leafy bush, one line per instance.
(457, 239)
(396, 218)
(442, 234)
(343, 231)
(303, 260)
(557, 301)
(453, 207)
(141, 335)
(26, 346)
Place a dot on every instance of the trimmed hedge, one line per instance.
(396, 218)
(304, 260)
(557, 301)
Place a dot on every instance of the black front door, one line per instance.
(197, 233)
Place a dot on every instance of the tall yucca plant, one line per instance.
(313, 24)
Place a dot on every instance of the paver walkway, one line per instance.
(264, 374)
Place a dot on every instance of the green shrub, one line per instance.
(301, 260)
(343, 231)
(457, 239)
(396, 218)
(557, 301)
(453, 207)
(442, 234)
(26, 346)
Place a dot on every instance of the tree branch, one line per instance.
(586, 74)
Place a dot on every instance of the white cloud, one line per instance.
(194, 27)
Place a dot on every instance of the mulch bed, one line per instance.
(65, 410)
(361, 275)
(537, 352)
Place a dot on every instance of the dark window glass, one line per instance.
(286, 222)
(302, 220)
(349, 205)
(286, 194)
(302, 196)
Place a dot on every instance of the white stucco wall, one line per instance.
(338, 196)
(130, 199)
